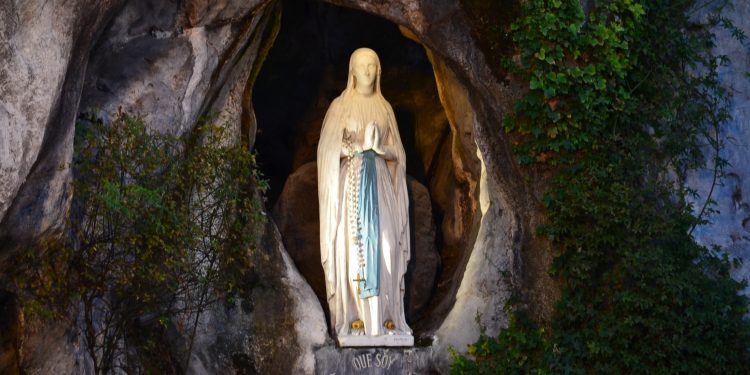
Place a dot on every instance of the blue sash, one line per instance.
(369, 230)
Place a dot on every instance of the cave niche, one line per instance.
(303, 72)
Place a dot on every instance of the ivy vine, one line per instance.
(624, 100)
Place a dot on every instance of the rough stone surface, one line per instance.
(309, 321)
(425, 260)
(296, 214)
(730, 224)
(458, 157)
(215, 12)
(44, 47)
(457, 201)
(174, 62)
(487, 283)
(274, 330)
(223, 340)
(168, 62)
(54, 349)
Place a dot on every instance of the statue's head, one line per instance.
(364, 69)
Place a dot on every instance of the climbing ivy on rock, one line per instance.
(623, 102)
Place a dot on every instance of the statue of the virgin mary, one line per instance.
(364, 222)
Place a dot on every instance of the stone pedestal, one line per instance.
(374, 341)
(330, 360)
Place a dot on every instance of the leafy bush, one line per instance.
(622, 103)
(160, 228)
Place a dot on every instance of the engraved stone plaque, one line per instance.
(372, 361)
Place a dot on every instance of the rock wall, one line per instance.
(730, 224)
(273, 329)
(169, 62)
(44, 55)
(173, 62)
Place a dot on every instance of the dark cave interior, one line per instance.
(304, 71)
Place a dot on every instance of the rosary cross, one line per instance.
(359, 281)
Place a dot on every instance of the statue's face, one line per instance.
(365, 69)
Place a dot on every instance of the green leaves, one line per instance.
(521, 344)
(621, 105)
(161, 227)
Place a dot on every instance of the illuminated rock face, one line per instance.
(44, 50)
(172, 62)
(730, 223)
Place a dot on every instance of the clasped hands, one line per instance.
(371, 140)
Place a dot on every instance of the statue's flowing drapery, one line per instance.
(385, 243)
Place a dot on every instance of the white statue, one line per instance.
(364, 216)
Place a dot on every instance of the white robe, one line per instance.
(352, 111)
